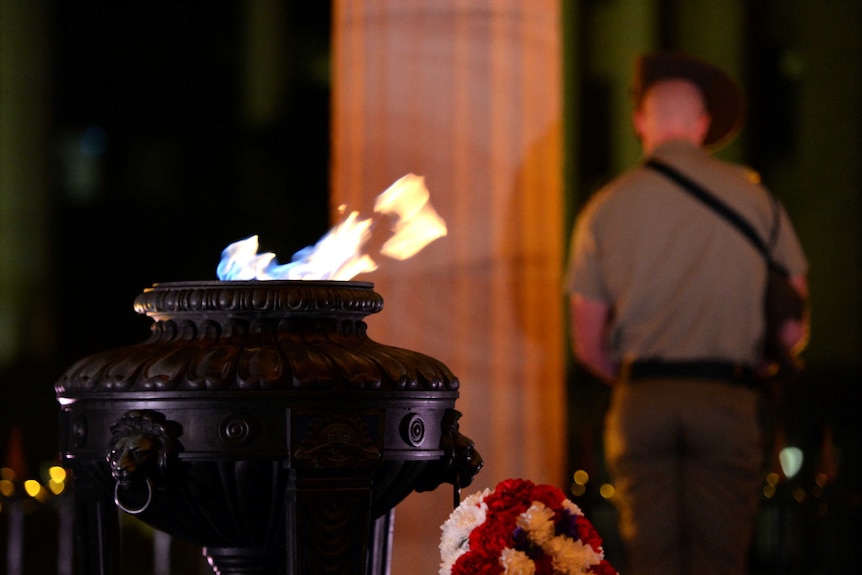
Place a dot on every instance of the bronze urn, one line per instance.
(260, 422)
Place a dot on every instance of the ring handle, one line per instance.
(134, 510)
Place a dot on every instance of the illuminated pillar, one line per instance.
(618, 31)
(468, 95)
(263, 69)
(615, 33)
(824, 181)
(721, 42)
(24, 179)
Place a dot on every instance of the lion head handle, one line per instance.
(142, 443)
(460, 462)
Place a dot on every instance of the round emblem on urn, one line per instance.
(237, 430)
(413, 429)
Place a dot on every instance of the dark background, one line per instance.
(150, 97)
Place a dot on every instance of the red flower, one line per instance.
(476, 564)
(551, 496)
(587, 533)
(511, 497)
(491, 537)
(604, 568)
(544, 565)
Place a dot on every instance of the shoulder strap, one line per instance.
(713, 202)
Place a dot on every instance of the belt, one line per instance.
(728, 372)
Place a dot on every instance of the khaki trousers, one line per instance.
(685, 457)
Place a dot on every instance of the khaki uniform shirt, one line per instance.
(682, 282)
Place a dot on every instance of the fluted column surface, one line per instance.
(468, 95)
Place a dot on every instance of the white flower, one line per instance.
(571, 507)
(456, 530)
(538, 523)
(516, 563)
(570, 557)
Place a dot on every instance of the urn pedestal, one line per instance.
(260, 422)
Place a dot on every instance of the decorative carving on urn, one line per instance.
(339, 440)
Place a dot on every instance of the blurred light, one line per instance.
(791, 64)
(799, 495)
(57, 474)
(790, 459)
(56, 487)
(7, 473)
(769, 490)
(94, 141)
(581, 477)
(32, 487)
(578, 489)
(7, 488)
(81, 163)
(607, 490)
(821, 479)
(773, 479)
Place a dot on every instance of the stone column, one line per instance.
(722, 43)
(25, 317)
(468, 95)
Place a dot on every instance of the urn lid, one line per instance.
(275, 297)
(266, 336)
